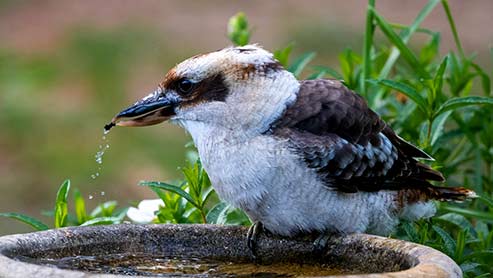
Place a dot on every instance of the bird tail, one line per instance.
(457, 194)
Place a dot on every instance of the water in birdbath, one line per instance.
(136, 264)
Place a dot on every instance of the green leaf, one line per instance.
(300, 63)
(457, 220)
(487, 201)
(394, 54)
(438, 79)
(459, 102)
(448, 242)
(217, 214)
(80, 207)
(194, 184)
(162, 195)
(487, 255)
(321, 71)
(61, 209)
(470, 212)
(316, 75)
(62, 194)
(350, 68)
(429, 51)
(485, 79)
(208, 193)
(438, 126)
(466, 267)
(102, 221)
(237, 217)
(104, 209)
(460, 245)
(410, 231)
(172, 188)
(33, 222)
(282, 55)
(484, 275)
(406, 52)
(406, 90)
(238, 31)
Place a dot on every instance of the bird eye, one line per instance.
(185, 86)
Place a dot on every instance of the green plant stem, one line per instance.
(428, 133)
(406, 36)
(418, 30)
(203, 215)
(452, 26)
(456, 151)
(367, 47)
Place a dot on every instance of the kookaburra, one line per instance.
(297, 156)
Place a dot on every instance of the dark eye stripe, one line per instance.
(210, 89)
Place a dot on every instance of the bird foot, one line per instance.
(321, 243)
(252, 236)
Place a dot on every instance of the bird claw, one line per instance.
(320, 243)
(252, 236)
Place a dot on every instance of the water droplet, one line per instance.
(99, 154)
(90, 197)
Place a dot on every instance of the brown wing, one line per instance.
(352, 148)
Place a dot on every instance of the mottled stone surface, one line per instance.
(359, 252)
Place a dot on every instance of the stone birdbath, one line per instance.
(209, 251)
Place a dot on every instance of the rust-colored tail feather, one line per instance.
(451, 193)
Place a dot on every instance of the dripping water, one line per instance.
(98, 157)
(103, 147)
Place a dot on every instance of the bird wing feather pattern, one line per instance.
(351, 147)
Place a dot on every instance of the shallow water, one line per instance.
(145, 265)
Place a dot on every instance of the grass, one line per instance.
(443, 104)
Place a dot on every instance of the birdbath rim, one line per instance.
(382, 257)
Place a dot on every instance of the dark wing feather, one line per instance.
(350, 146)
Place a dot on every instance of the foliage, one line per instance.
(105, 213)
(193, 200)
(445, 103)
(238, 31)
(441, 103)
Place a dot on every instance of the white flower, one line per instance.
(144, 213)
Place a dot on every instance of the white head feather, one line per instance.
(259, 90)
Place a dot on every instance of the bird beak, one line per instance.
(153, 109)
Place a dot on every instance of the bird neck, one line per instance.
(248, 111)
(256, 103)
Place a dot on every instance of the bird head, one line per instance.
(234, 88)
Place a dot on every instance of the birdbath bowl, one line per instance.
(209, 251)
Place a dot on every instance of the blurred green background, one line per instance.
(66, 67)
